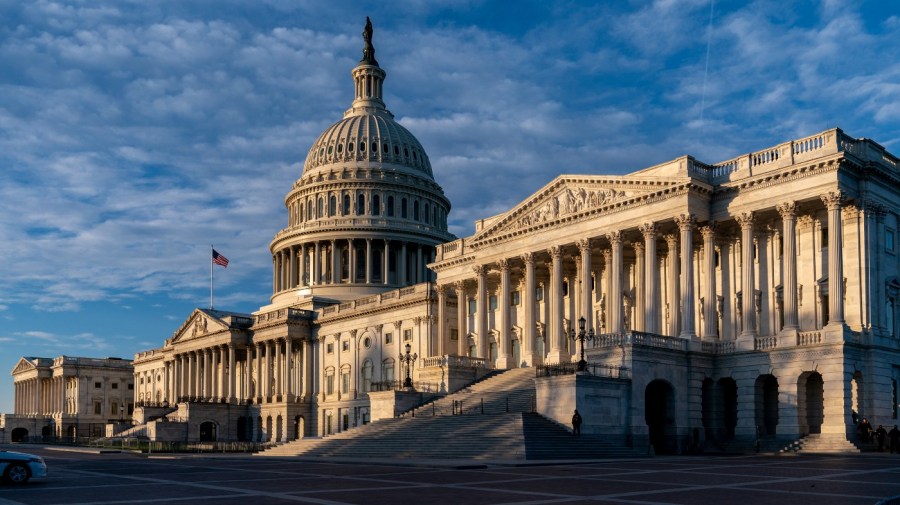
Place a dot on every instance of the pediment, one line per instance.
(23, 365)
(200, 323)
(568, 196)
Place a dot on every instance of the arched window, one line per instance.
(387, 370)
(376, 205)
(416, 210)
(309, 209)
(345, 208)
(332, 203)
(320, 208)
(403, 212)
(367, 376)
(390, 206)
(427, 212)
(300, 212)
(360, 204)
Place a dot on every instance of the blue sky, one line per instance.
(135, 134)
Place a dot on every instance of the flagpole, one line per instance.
(210, 277)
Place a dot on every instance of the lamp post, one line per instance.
(408, 360)
(581, 337)
(121, 412)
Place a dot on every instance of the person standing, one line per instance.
(880, 435)
(894, 437)
(576, 424)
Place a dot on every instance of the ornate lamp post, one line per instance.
(408, 360)
(581, 337)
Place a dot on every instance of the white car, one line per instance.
(18, 467)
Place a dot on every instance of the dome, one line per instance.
(368, 138)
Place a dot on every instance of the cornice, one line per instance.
(789, 174)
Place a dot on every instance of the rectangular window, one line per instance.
(98, 407)
(889, 240)
(114, 408)
(514, 298)
(473, 306)
(492, 301)
(407, 335)
(329, 384)
(539, 294)
(345, 382)
(824, 236)
(329, 348)
(345, 345)
(388, 372)
(98, 385)
(115, 385)
(388, 338)
(131, 387)
(454, 334)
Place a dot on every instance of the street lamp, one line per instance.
(121, 412)
(408, 360)
(581, 337)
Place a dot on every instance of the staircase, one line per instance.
(817, 444)
(454, 427)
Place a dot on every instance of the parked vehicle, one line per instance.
(18, 467)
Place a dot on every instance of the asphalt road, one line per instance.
(87, 478)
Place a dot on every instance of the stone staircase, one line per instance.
(454, 427)
(819, 444)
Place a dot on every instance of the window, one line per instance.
(329, 384)
(98, 385)
(454, 334)
(345, 381)
(403, 212)
(514, 298)
(98, 407)
(390, 206)
(332, 205)
(115, 385)
(360, 204)
(388, 374)
(416, 210)
(376, 205)
(329, 348)
(345, 345)
(388, 338)
(565, 288)
(824, 236)
(367, 376)
(492, 302)
(473, 306)
(889, 240)
(539, 294)
(114, 408)
(345, 207)
(407, 335)
(320, 208)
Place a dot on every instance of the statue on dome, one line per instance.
(368, 49)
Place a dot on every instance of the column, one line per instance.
(441, 318)
(528, 304)
(221, 388)
(308, 361)
(481, 311)
(260, 391)
(504, 358)
(461, 319)
(556, 332)
(788, 213)
(301, 266)
(420, 268)
(335, 264)
(387, 262)
(615, 284)
(404, 280)
(748, 316)
(710, 316)
(368, 261)
(651, 278)
(685, 224)
(351, 262)
(584, 249)
(279, 370)
(604, 297)
(316, 266)
(835, 259)
(640, 282)
(292, 275)
(672, 279)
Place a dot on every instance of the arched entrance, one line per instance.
(46, 433)
(659, 414)
(208, 431)
(242, 429)
(857, 395)
(70, 432)
(18, 435)
(279, 428)
(259, 429)
(766, 404)
(267, 437)
(299, 427)
(719, 409)
(811, 402)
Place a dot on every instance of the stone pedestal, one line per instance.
(601, 401)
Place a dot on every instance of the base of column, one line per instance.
(787, 337)
(746, 341)
(558, 358)
(532, 359)
(505, 361)
(834, 333)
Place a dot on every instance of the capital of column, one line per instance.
(614, 237)
(745, 220)
(638, 247)
(442, 289)
(584, 245)
(607, 255)
(833, 199)
(648, 230)
(479, 270)
(504, 265)
(378, 328)
(460, 287)
(685, 221)
(788, 210)
(528, 258)
(555, 252)
(353, 333)
(708, 232)
(671, 241)
(398, 324)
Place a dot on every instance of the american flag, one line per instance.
(218, 259)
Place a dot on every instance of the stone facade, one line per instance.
(68, 397)
(752, 298)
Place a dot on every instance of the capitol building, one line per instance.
(716, 302)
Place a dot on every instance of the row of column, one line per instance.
(41, 396)
(321, 263)
(681, 296)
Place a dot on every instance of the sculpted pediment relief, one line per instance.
(564, 197)
(23, 366)
(200, 324)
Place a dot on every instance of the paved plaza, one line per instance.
(88, 478)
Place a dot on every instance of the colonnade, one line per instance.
(44, 396)
(565, 275)
(353, 261)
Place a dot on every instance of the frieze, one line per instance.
(569, 201)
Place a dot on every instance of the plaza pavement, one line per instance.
(111, 478)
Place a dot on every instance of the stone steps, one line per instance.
(819, 444)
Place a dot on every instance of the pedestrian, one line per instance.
(863, 429)
(880, 435)
(894, 437)
(576, 423)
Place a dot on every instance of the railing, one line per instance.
(809, 338)
(639, 338)
(595, 369)
(765, 343)
(422, 387)
(723, 347)
(455, 362)
(142, 445)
